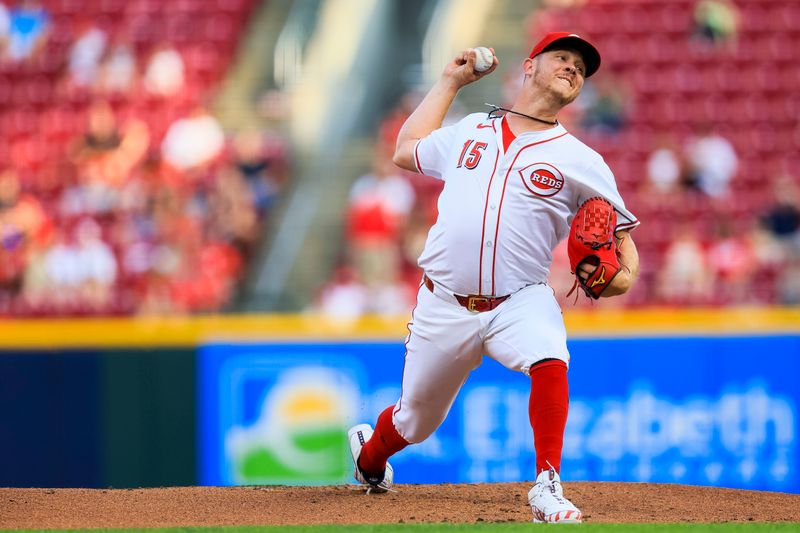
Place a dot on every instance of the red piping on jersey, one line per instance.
(503, 195)
(483, 228)
(508, 135)
(627, 225)
(416, 157)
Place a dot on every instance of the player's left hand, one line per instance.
(585, 270)
(628, 262)
(592, 248)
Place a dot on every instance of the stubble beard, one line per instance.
(555, 97)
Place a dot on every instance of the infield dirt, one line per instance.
(271, 505)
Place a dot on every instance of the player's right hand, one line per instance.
(461, 70)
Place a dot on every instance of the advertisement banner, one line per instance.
(705, 411)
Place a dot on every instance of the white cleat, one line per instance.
(548, 502)
(358, 436)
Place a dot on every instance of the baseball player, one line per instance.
(512, 186)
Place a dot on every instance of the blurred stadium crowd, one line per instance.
(119, 191)
(695, 109)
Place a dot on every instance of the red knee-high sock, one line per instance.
(385, 442)
(548, 407)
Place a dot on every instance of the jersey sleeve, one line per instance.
(600, 182)
(431, 152)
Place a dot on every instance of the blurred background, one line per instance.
(203, 236)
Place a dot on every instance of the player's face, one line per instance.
(558, 72)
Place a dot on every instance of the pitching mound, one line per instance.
(498, 502)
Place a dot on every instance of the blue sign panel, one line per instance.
(706, 411)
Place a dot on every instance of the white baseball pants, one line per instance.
(446, 342)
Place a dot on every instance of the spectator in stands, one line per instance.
(251, 162)
(712, 161)
(220, 271)
(156, 298)
(788, 282)
(777, 239)
(392, 299)
(782, 218)
(666, 170)
(5, 29)
(233, 216)
(733, 262)
(771, 259)
(177, 236)
(379, 204)
(684, 276)
(24, 227)
(193, 141)
(104, 158)
(604, 104)
(85, 54)
(168, 238)
(97, 267)
(62, 273)
(164, 73)
(206, 275)
(717, 22)
(133, 237)
(102, 133)
(28, 31)
(80, 272)
(344, 298)
(36, 290)
(117, 70)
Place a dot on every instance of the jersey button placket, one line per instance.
(489, 241)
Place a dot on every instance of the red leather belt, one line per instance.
(473, 302)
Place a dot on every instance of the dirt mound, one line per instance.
(497, 502)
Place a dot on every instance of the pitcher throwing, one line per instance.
(513, 185)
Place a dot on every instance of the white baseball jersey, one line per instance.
(504, 210)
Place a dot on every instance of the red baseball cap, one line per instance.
(570, 40)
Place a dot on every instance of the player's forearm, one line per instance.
(428, 117)
(629, 266)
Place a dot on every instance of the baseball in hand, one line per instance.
(483, 59)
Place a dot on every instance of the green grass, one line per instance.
(750, 527)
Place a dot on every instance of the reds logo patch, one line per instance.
(542, 179)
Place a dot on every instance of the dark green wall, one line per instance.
(149, 418)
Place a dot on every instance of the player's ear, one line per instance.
(529, 66)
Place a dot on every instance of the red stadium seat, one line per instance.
(756, 18)
(674, 19)
(594, 20)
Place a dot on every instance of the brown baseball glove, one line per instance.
(591, 240)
